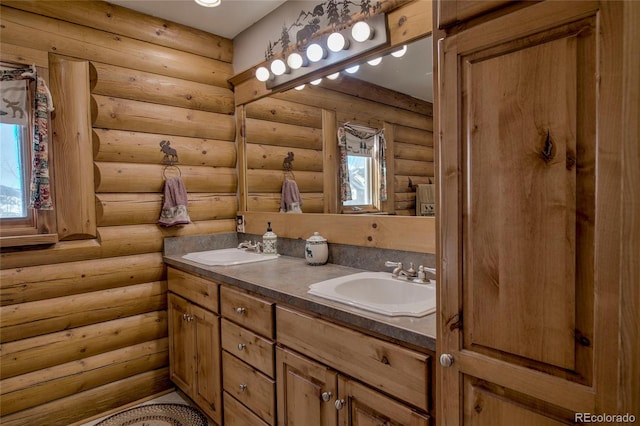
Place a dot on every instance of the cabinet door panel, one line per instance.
(181, 343)
(207, 392)
(518, 167)
(366, 407)
(301, 385)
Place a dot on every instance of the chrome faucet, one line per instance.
(410, 274)
(251, 246)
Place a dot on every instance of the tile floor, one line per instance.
(173, 397)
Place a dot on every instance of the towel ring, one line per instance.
(164, 170)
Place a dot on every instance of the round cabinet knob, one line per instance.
(446, 360)
(326, 396)
(339, 404)
(243, 387)
(241, 346)
(241, 311)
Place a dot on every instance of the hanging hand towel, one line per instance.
(174, 207)
(291, 200)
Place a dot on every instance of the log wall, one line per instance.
(292, 122)
(83, 323)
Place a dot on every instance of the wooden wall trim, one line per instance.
(330, 163)
(407, 233)
(75, 205)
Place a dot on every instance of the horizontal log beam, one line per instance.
(90, 403)
(353, 106)
(52, 315)
(271, 181)
(23, 55)
(412, 167)
(117, 19)
(271, 157)
(35, 353)
(266, 202)
(135, 209)
(130, 177)
(29, 284)
(54, 36)
(126, 83)
(282, 111)
(135, 147)
(404, 183)
(414, 136)
(44, 386)
(271, 133)
(125, 114)
(409, 151)
(116, 241)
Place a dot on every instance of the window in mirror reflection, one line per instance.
(363, 168)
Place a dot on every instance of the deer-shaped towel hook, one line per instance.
(170, 154)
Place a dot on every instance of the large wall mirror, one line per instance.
(302, 125)
(292, 137)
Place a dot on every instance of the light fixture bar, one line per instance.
(334, 61)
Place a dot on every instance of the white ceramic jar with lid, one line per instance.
(316, 250)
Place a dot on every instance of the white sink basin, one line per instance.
(226, 257)
(379, 292)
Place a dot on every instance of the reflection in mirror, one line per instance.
(305, 122)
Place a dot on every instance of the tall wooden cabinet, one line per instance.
(530, 109)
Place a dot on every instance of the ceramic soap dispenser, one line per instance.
(269, 241)
(316, 250)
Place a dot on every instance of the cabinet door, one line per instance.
(362, 406)
(306, 391)
(207, 392)
(520, 167)
(181, 344)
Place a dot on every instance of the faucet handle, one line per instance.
(390, 264)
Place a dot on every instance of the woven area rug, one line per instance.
(157, 415)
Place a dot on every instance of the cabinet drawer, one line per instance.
(236, 414)
(249, 311)
(248, 346)
(196, 289)
(249, 386)
(398, 371)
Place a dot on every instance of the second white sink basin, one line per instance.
(379, 292)
(226, 257)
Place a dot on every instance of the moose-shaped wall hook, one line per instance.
(170, 154)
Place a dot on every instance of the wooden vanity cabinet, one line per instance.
(247, 357)
(325, 367)
(194, 340)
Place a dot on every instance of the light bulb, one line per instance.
(316, 82)
(295, 61)
(263, 74)
(209, 3)
(375, 61)
(336, 42)
(361, 31)
(315, 52)
(278, 67)
(400, 52)
(300, 87)
(354, 69)
(333, 76)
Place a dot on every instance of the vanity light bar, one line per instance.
(334, 60)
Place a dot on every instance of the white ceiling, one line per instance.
(410, 75)
(227, 20)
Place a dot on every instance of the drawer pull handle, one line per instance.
(243, 387)
(446, 360)
(326, 396)
(241, 311)
(339, 404)
(241, 346)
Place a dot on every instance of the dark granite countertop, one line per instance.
(286, 280)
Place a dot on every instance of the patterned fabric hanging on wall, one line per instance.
(40, 198)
